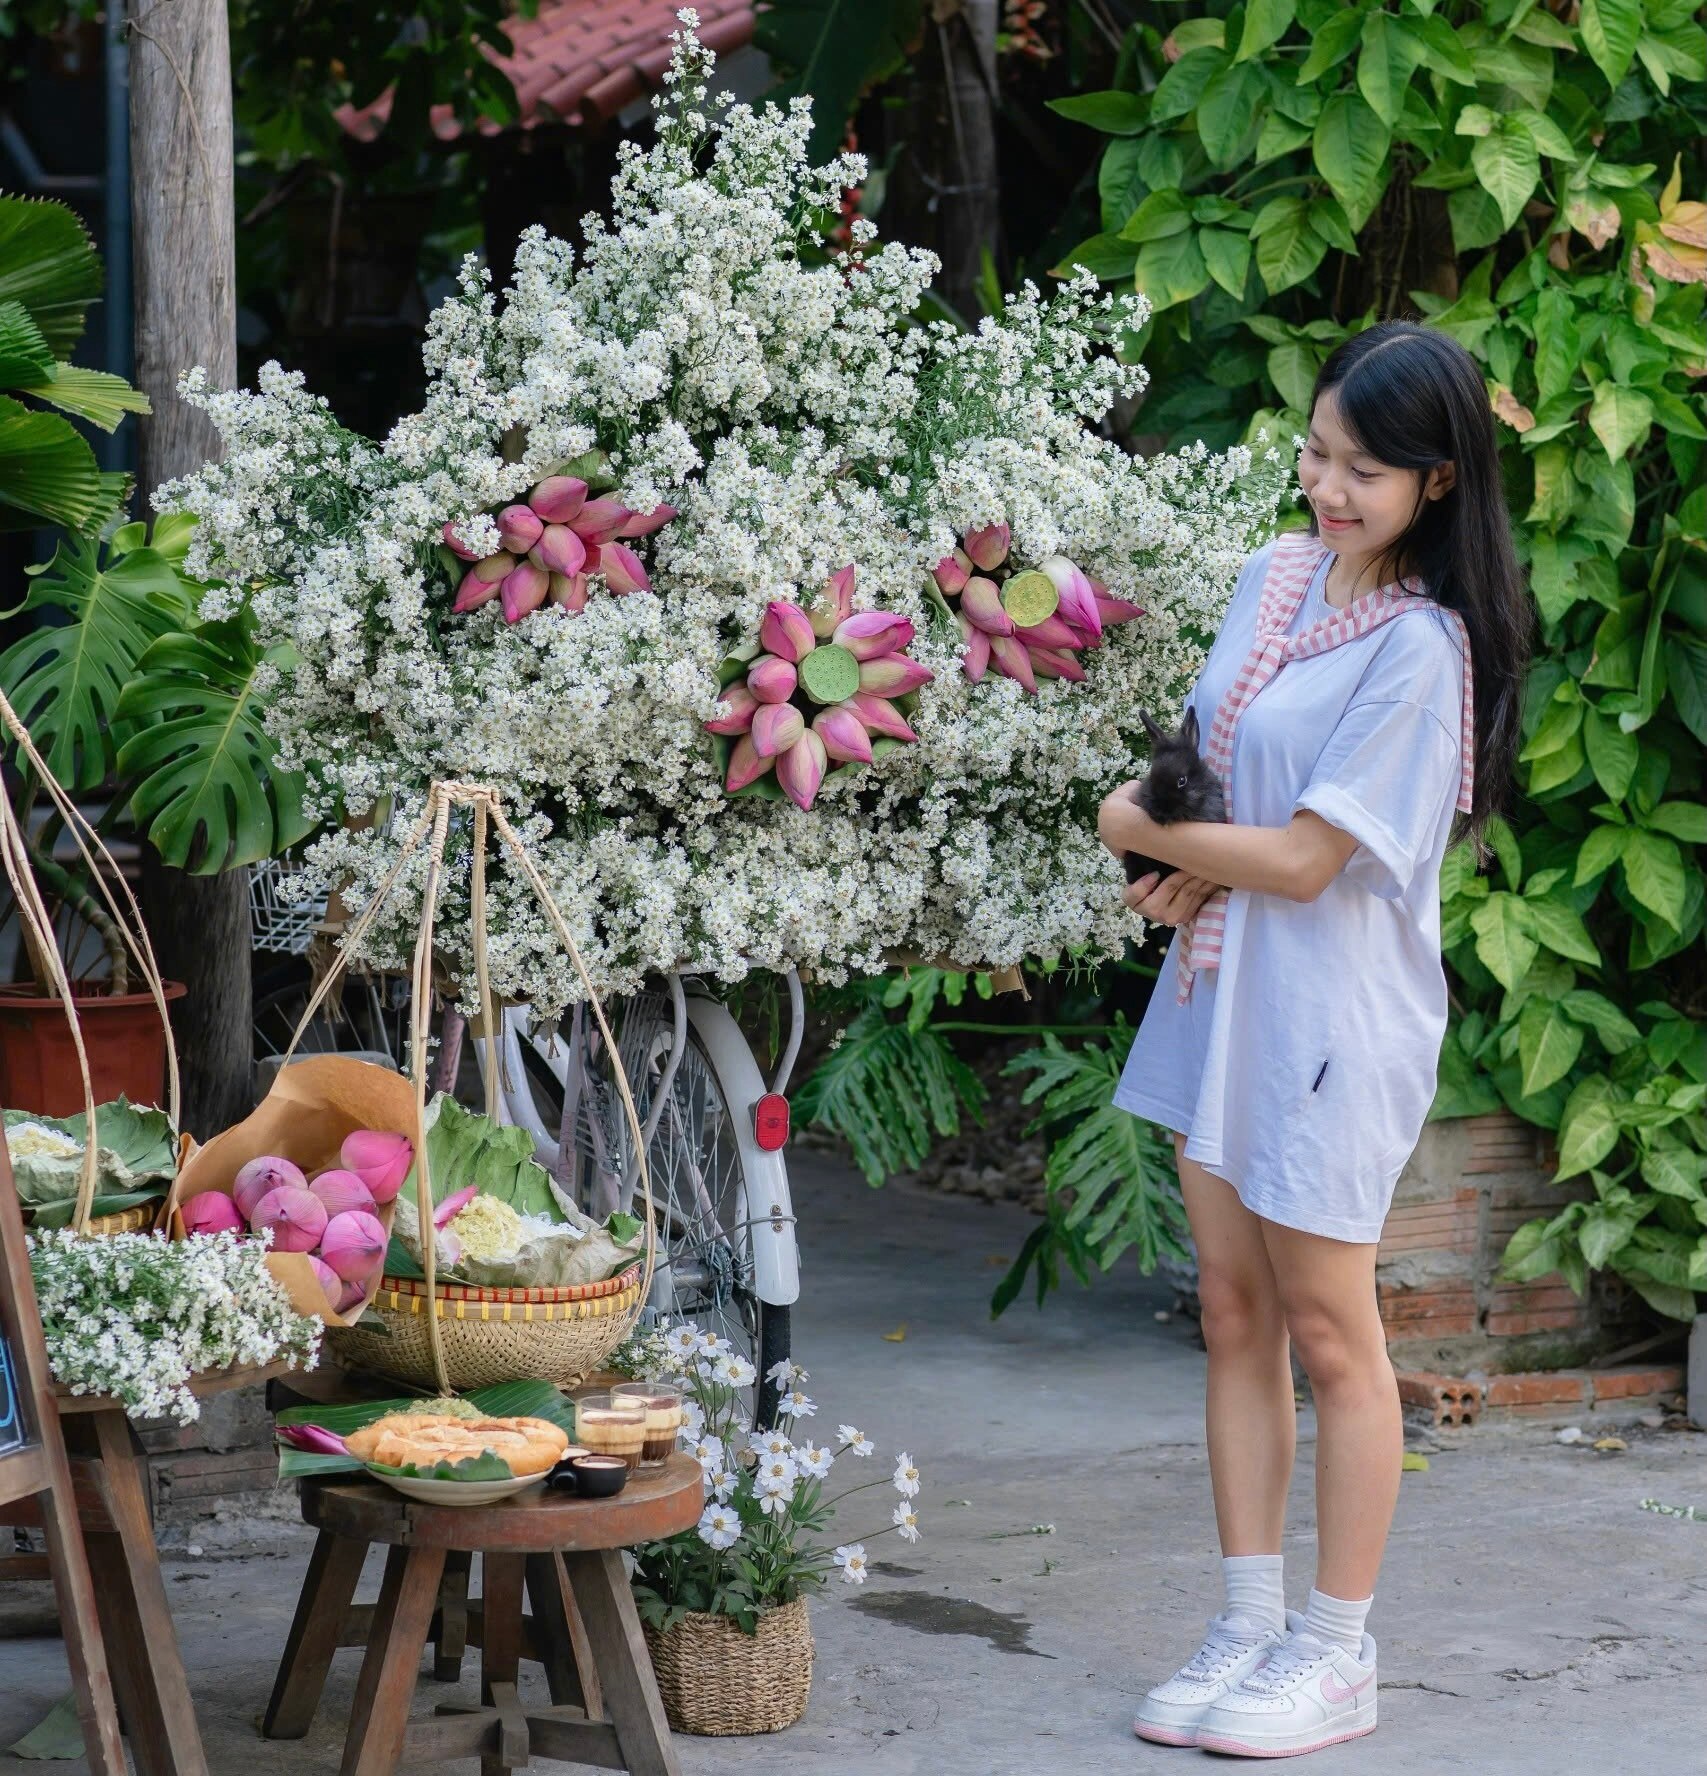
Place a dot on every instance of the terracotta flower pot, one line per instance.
(122, 1037)
(716, 1680)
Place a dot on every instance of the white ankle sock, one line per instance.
(1335, 1621)
(1255, 1590)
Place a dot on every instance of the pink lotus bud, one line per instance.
(353, 1244)
(874, 632)
(341, 1190)
(834, 605)
(786, 631)
(448, 1248)
(952, 573)
(1013, 660)
(600, 520)
(801, 769)
(776, 727)
(559, 550)
(844, 734)
(879, 715)
(975, 662)
(981, 602)
(312, 1439)
(519, 528)
(482, 580)
(622, 569)
(893, 675)
(568, 591)
(558, 498)
(354, 1294)
(212, 1212)
(1048, 663)
(656, 519)
(772, 680)
(259, 1176)
(329, 1281)
(1052, 632)
(988, 547)
(1078, 601)
(455, 543)
(745, 765)
(523, 591)
(380, 1159)
(454, 1204)
(295, 1217)
(1114, 610)
(743, 705)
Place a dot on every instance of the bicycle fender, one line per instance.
(776, 1253)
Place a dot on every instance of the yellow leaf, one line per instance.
(1610, 1444)
(1508, 407)
(898, 1336)
(1413, 1463)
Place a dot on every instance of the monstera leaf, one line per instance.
(65, 681)
(208, 788)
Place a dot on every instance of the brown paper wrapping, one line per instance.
(313, 1105)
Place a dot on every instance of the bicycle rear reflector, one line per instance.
(770, 1122)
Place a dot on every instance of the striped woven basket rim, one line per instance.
(404, 1287)
(506, 1312)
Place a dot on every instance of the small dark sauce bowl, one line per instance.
(598, 1476)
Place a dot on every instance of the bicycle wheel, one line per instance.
(699, 1188)
(370, 1017)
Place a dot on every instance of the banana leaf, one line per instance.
(484, 1466)
(509, 1399)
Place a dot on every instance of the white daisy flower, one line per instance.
(719, 1526)
(775, 1504)
(772, 1442)
(785, 1374)
(858, 1443)
(851, 1560)
(906, 1521)
(906, 1476)
(814, 1461)
(796, 1405)
(721, 1482)
(708, 1452)
(734, 1371)
(776, 1473)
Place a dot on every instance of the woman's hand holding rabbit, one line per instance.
(1168, 900)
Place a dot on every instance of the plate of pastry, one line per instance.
(439, 1459)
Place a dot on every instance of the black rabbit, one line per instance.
(1180, 786)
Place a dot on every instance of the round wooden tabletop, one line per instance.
(656, 1502)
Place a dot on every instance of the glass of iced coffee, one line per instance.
(610, 1426)
(663, 1406)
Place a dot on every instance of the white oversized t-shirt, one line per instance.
(1301, 1070)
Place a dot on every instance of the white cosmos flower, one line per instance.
(772, 1442)
(851, 1560)
(785, 1374)
(906, 1521)
(708, 1452)
(719, 1526)
(721, 1482)
(796, 1405)
(906, 1476)
(693, 1420)
(858, 1443)
(814, 1461)
(775, 1504)
(775, 1473)
(682, 1342)
(734, 1371)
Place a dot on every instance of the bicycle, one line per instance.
(715, 1131)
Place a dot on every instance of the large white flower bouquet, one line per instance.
(792, 630)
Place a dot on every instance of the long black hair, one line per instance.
(1414, 399)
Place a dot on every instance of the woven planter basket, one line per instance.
(491, 1335)
(717, 1681)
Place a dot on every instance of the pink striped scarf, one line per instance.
(1291, 568)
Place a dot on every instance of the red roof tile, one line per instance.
(580, 61)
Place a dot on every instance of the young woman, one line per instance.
(1292, 1039)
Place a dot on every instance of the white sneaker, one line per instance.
(1233, 1648)
(1305, 1695)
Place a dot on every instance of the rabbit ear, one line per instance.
(1158, 734)
(1189, 729)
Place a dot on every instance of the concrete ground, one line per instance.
(1531, 1618)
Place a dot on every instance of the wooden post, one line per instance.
(184, 272)
(33, 1464)
(972, 200)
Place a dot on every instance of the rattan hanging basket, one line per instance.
(490, 1335)
(717, 1681)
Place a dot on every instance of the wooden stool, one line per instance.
(605, 1709)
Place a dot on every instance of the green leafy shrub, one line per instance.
(1280, 174)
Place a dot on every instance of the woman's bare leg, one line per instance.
(1248, 1411)
(1327, 1288)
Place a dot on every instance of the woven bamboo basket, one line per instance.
(490, 1335)
(717, 1681)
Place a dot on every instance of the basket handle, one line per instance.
(433, 828)
(38, 926)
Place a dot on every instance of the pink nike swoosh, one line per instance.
(1334, 1691)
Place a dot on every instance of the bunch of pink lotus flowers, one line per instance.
(1028, 624)
(821, 692)
(553, 543)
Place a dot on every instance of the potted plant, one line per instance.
(130, 695)
(723, 1605)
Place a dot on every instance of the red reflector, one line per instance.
(770, 1121)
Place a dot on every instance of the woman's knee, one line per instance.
(1240, 1310)
(1338, 1351)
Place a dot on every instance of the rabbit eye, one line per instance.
(1182, 781)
